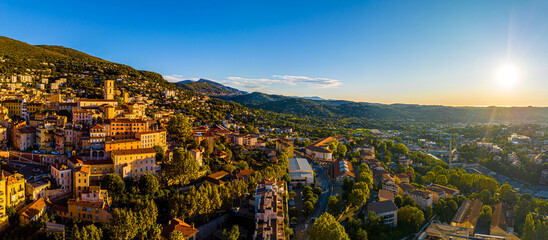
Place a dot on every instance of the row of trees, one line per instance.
(310, 198)
(198, 204)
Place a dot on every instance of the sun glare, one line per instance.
(507, 75)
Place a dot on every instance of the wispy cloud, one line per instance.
(313, 82)
(259, 84)
(177, 78)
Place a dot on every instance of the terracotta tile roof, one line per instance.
(343, 167)
(83, 169)
(217, 175)
(179, 225)
(85, 203)
(75, 160)
(133, 151)
(386, 194)
(499, 220)
(406, 187)
(245, 172)
(447, 190)
(421, 193)
(319, 149)
(31, 210)
(98, 161)
(468, 212)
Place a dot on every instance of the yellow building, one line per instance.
(3, 202)
(134, 163)
(45, 138)
(89, 210)
(34, 107)
(13, 106)
(96, 102)
(12, 194)
(122, 144)
(97, 168)
(55, 97)
(81, 180)
(152, 138)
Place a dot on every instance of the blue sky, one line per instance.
(425, 52)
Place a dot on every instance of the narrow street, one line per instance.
(322, 181)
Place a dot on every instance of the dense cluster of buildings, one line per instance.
(80, 140)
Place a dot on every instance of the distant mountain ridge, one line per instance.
(209, 87)
(376, 111)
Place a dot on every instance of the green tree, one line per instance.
(486, 213)
(308, 207)
(441, 180)
(507, 195)
(358, 197)
(160, 153)
(361, 234)
(114, 184)
(208, 148)
(528, 230)
(176, 235)
(333, 205)
(123, 224)
(398, 200)
(242, 165)
(365, 175)
(179, 126)
(317, 191)
(453, 205)
(233, 234)
(429, 177)
(89, 232)
(341, 150)
(326, 227)
(182, 168)
(287, 178)
(410, 217)
(148, 184)
(333, 146)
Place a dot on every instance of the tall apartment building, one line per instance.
(269, 210)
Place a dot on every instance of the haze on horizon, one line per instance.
(465, 53)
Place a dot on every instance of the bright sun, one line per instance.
(507, 75)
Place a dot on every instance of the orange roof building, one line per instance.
(188, 231)
(32, 211)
